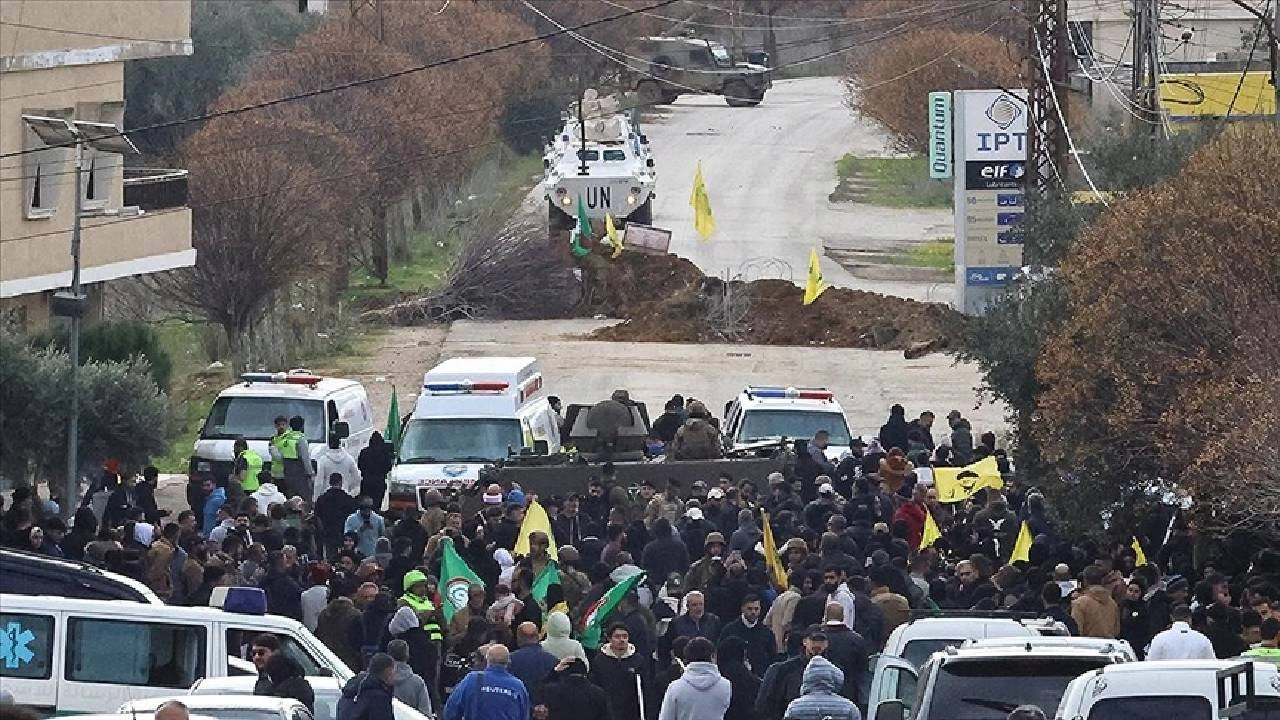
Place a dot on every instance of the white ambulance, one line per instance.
(764, 413)
(471, 412)
(249, 408)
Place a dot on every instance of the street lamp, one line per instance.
(102, 137)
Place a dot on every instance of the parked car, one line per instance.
(1169, 690)
(229, 707)
(327, 689)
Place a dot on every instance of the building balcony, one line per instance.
(151, 189)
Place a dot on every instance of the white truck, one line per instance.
(472, 412)
(602, 162)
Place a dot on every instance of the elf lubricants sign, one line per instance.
(990, 137)
(939, 135)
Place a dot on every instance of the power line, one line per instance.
(1066, 131)
(376, 79)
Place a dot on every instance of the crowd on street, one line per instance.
(726, 599)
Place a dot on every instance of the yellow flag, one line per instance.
(535, 520)
(1022, 546)
(611, 233)
(931, 531)
(953, 488)
(814, 285)
(777, 573)
(1140, 558)
(703, 221)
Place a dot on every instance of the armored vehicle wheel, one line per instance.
(737, 94)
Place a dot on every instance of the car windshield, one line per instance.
(722, 56)
(991, 689)
(459, 440)
(1153, 708)
(589, 155)
(917, 651)
(614, 155)
(254, 417)
(769, 424)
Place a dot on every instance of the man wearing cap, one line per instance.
(699, 575)
(822, 507)
(781, 496)
(781, 684)
(665, 553)
(695, 527)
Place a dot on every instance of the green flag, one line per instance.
(456, 579)
(549, 576)
(583, 230)
(593, 619)
(393, 421)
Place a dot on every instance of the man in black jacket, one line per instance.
(781, 684)
(569, 694)
(367, 696)
(333, 507)
(759, 640)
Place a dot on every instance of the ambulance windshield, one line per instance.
(439, 440)
(769, 424)
(254, 417)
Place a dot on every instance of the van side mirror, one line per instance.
(342, 429)
(891, 710)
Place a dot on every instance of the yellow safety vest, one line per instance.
(253, 466)
(423, 606)
(287, 444)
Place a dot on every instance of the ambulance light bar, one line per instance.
(281, 377)
(790, 393)
(466, 387)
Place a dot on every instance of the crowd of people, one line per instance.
(714, 629)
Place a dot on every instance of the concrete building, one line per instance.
(1196, 37)
(66, 59)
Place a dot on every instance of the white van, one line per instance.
(763, 413)
(76, 656)
(471, 412)
(249, 409)
(1168, 690)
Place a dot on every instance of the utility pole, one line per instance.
(1047, 97)
(72, 492)
(1275, 55)
(1146, 59)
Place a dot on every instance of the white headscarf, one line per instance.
(404, 619)
(144, 533)
(508, 564)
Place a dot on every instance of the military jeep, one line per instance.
(684, 65)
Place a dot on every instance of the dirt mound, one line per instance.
(666, 299)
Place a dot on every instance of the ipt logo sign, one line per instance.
(995, 125)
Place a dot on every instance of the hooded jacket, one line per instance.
(1096, 613)
(491, 694)
(819, 695)
(616, 675)
(962, 442)
(700, 694)
(411, 689)
(696, 440)
(336, 460)
(558, 642)
(364, 697)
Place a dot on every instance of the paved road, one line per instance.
(769, 170)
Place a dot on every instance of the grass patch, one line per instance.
(900, 182)
(937, 254)
(191, 390)
(432, 250)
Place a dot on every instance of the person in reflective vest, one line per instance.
(426, 639)
(248, 464)
(295, 456)
(417, 596)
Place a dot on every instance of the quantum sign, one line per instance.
(939, 135)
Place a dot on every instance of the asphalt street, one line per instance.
(769, 171)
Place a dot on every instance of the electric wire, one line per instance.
(1066, 131)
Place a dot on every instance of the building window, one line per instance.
(44, 174)
(119, 652)
(100, 170)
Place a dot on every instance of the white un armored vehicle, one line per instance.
(604, 161)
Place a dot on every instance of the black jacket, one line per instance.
(617, 678)
(663, 556)
(284, 595)
(364, 697)
(297, 688)
(745, 685)
(333, 507)
(760, 642)
(573, 697)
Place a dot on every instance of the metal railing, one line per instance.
(155, 188)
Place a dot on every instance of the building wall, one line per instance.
(77, 71)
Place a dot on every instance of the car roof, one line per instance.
(217, 702)
(148, 612)
(214, 685)
(132, 716)
(319, 391)
(1089, 643)
(1161, 678)
(1024, 650)
(81, 569)
(947, 628)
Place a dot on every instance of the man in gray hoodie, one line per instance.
(701, 693)
(820, 695)
(409, 688)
